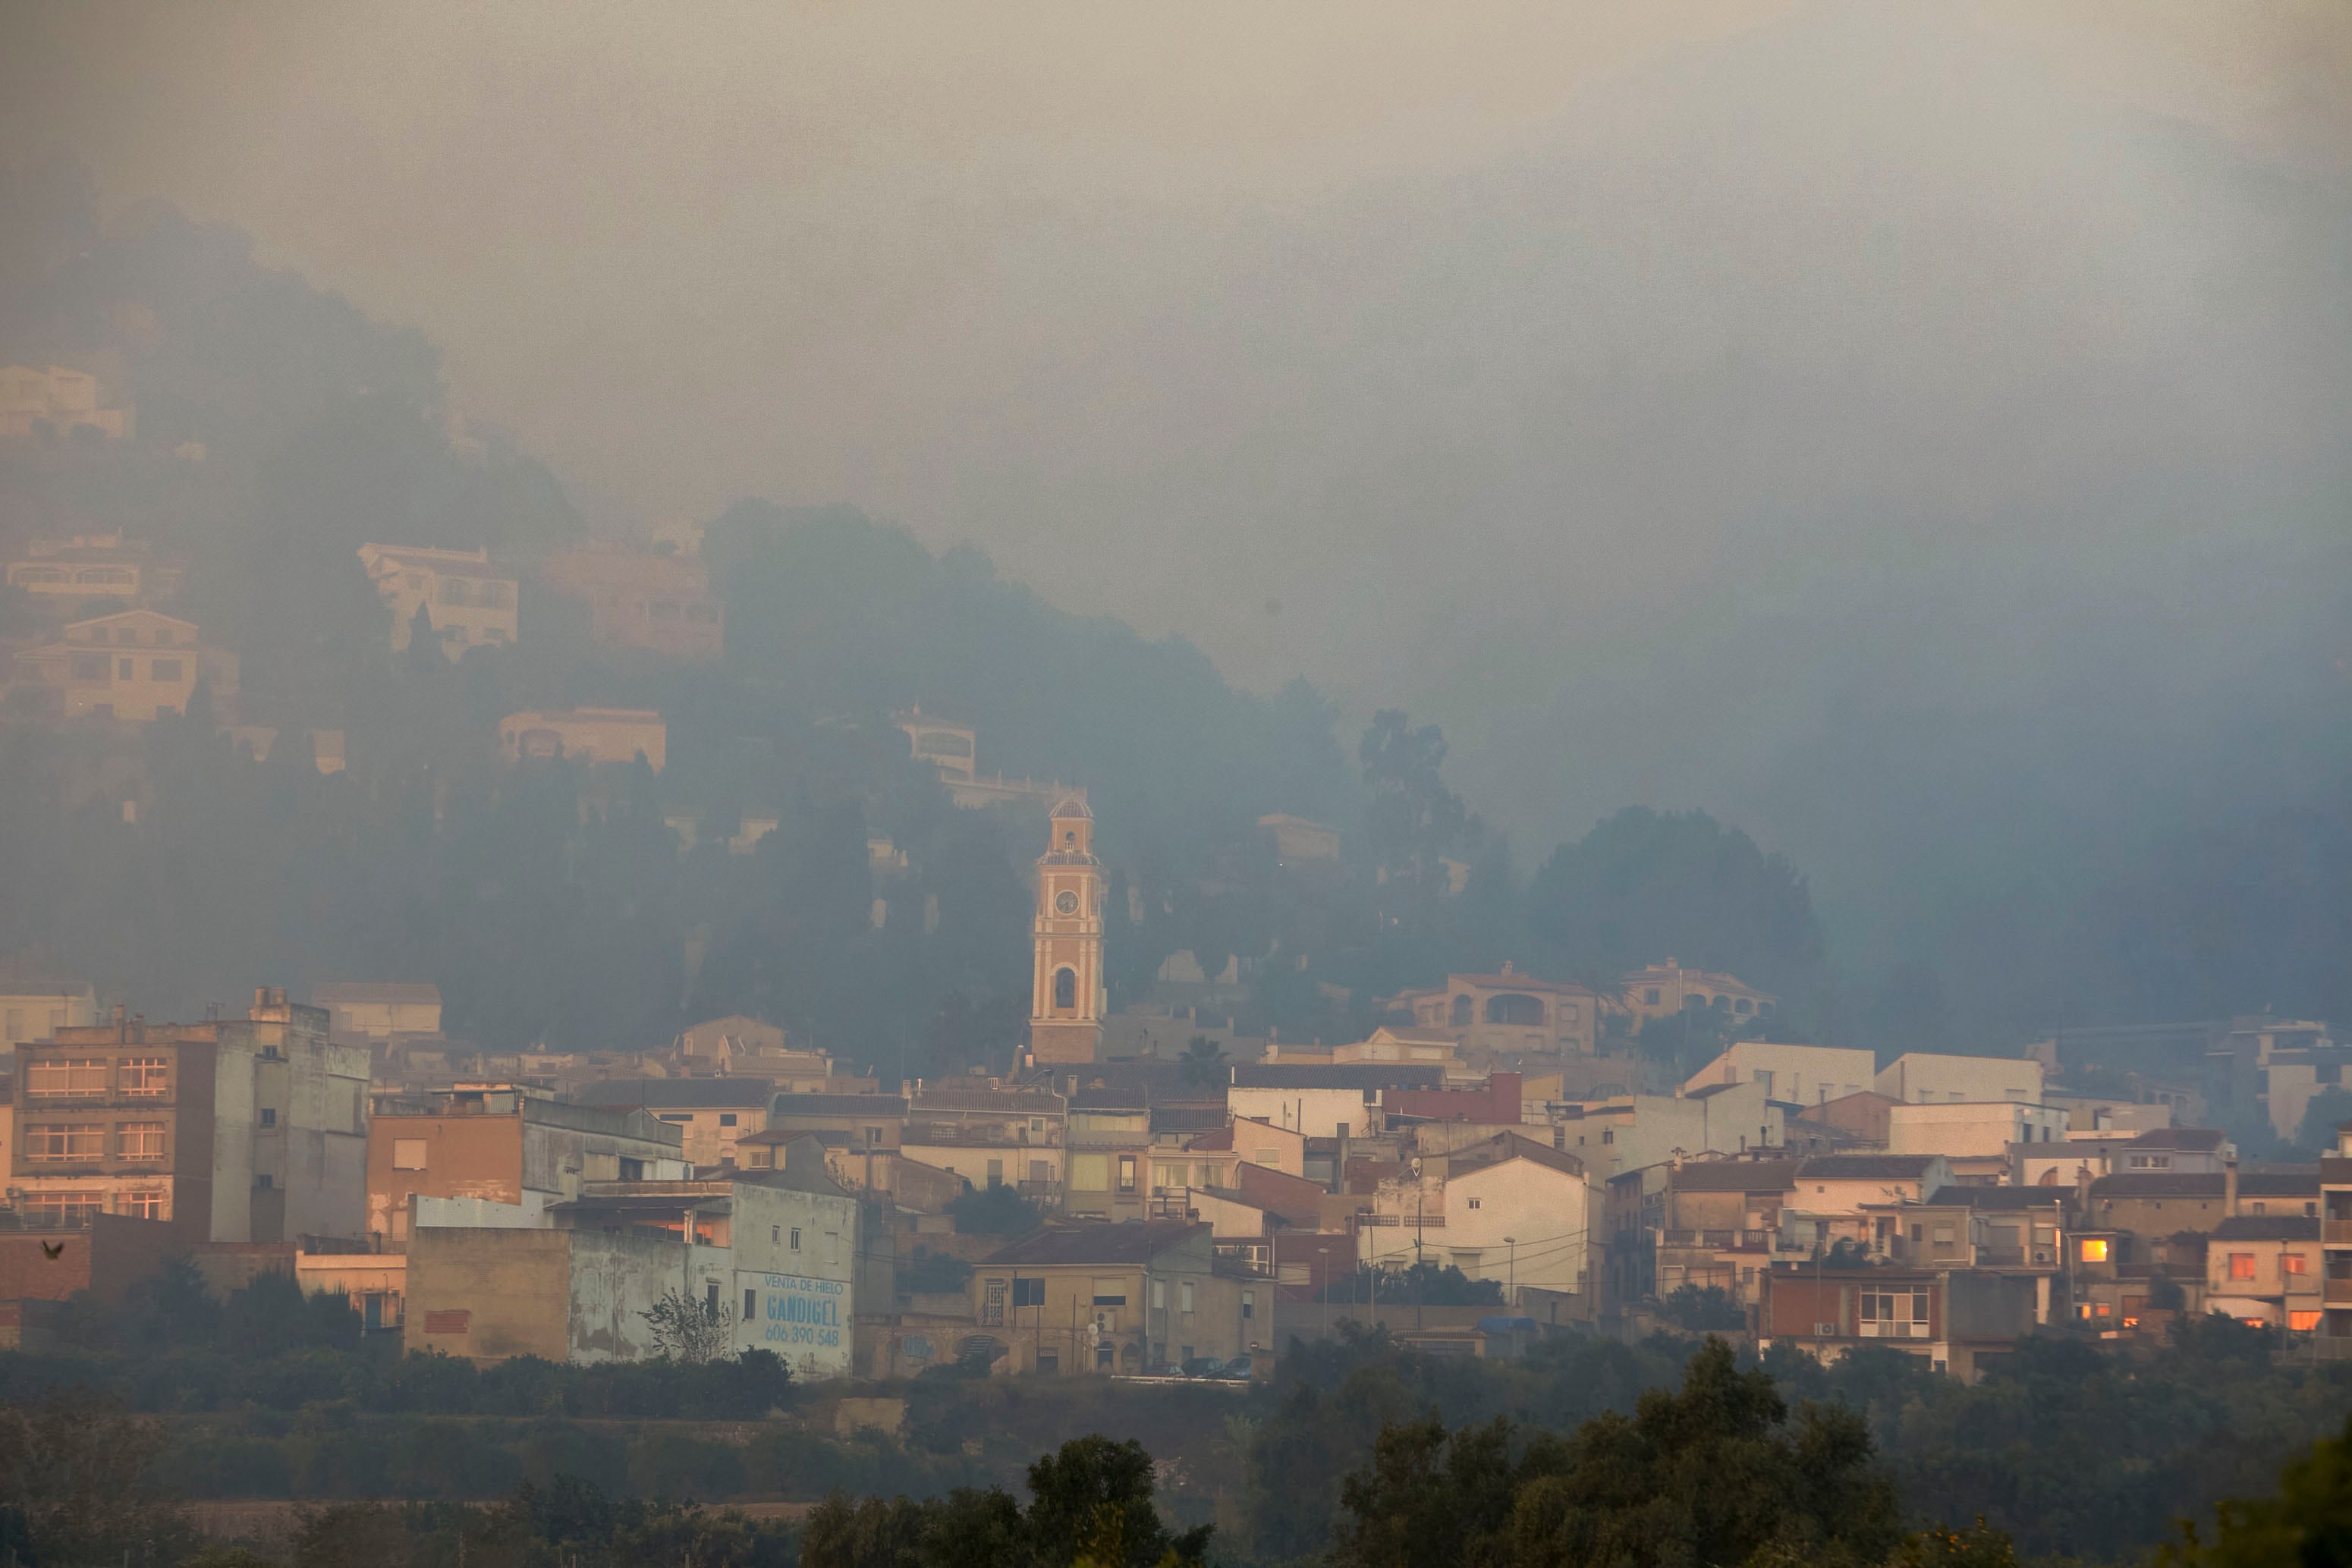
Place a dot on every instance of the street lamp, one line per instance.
(1511, 1291)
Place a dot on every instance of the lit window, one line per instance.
(143, 1205)
(51, 1210)
(65, 1140)
(2242, 1265)
(144, 1076)
(64, 1077)
(141, 1140)
(2093, 1249)
(2303, 1321)
(2293, 1263)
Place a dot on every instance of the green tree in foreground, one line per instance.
(1716, 1472)
(2307, 1525)
(1090, 1502)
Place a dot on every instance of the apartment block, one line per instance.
(243, 1129)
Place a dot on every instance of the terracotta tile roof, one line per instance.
(2268, 1228)
(1867, 1167)
(1735, 1175)
(2159, 1184)
(1133, 1241)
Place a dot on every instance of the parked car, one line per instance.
(1200, 1366)
(1237, 1370)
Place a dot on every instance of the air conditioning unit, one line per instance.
(1825, 1331)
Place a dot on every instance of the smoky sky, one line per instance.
(1859, 420)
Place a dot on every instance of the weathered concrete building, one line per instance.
(505, 1142)
(1116, 1298)
(775, 1255)
(251, 1129)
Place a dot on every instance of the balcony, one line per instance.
(2335, 1232)
(2340, 1292)
(1879, 1329)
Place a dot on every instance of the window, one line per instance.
(1049, 1361)
(1649, 996)
(1249, 1304)
(164, 669)
(710, 1302)
(1036, 1124)
(776, 1234)
(65, 1140)
(2242, 1265)
(996, 1173)
(1474, 1203)
(726, 1118)
(139, 1140)
(1126, 1173)
(1943, 1235)
(873, 1137)
(49, 1211)
(2293, 1263)
(1266, 1157)
(90, 666)
(1159, 1295)
(1110, 1292)
(270, 1115)
(796, 1237)
(751, 1305)
(64, 1077)
(632, 1170)
(833, 1246)
(141, 1205)
(1028, 1292)
(144, 1076)
(263, 1182)
(408, 1154)
(455, 594)
(122, 668)
(2303, 1321)
(1065, 988)
(2093, 1249)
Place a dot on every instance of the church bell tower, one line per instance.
(1067, 984)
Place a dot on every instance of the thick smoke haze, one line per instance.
(1916, 434)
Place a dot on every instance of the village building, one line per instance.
(229, 1130)
(469, 600)
(501, 1144)
(1121, 1298)
(1664, 990)
(592, 735)
(132, 664)
(1506, 1012)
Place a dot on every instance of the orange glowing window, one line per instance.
(2094, 1250)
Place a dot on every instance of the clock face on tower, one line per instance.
(1066, 902)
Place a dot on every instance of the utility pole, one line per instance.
(1325, 1253)
(1420, 1280)
(1511, 1291)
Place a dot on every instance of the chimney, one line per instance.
(260, 997)
(2229, 1189)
